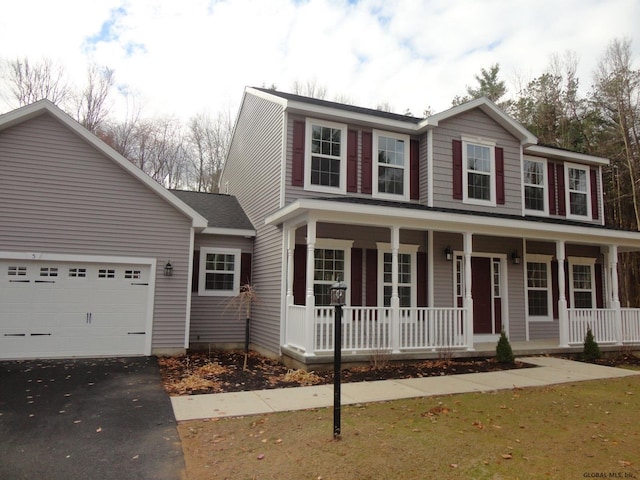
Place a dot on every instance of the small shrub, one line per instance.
(504, 353)
(591, 350)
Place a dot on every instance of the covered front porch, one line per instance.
(438, 273)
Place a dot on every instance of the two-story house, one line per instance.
(446, 230)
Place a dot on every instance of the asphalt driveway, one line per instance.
(98, 419)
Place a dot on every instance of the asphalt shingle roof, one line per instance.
(221, 211)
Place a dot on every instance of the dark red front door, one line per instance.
(481, 293)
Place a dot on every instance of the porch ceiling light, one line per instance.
(168, 269)
(448, 254)
(338, 294)
(515, 258)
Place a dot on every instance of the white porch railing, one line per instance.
(602, 323)
(369, 329)
(630, 325)
(431, 328)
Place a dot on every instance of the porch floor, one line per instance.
(296, 359)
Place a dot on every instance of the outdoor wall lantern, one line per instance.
(448, 253)
(168, 269)
(515, 258)
(338, 300)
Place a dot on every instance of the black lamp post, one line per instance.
(338, 299)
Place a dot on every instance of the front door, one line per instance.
(481, 291)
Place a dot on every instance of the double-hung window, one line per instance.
(578, 191)
(406, 274)
(539, 287)
(391, 168)
(534, 175)
(331, 260)
(582, 282)
(478, 180)
(219, 273)
(326, 156)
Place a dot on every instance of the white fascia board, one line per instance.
(557, 154)
(376, 215)
(45, 106)
(230, 232)
(492, 110)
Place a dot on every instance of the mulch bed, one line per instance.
(223, 371)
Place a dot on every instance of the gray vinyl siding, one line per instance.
(217, 320)
(58, 194)
(478, 124)
(253, 171)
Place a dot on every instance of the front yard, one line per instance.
(571, 431)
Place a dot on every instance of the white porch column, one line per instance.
(310, 300)
(291, 245)
(468, 299)
(395, 299)
(615, 293)
(563, 318)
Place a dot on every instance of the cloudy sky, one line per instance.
(186, 56)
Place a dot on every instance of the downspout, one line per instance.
(187, 330)
(430, 169)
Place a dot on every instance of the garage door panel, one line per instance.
(58, 309)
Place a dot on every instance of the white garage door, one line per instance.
(67, 309)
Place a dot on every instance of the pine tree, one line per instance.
(504, 353)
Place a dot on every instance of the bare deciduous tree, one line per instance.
(30, 82)
(91, 103)
(209, 139)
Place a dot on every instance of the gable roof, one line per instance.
(223, 212)
(45, 107)
(492, 111)
(305, 105)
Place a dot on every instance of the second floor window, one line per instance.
(479, 173)
(534, 186)
(326, 156)
(391, 172)
(578, 193)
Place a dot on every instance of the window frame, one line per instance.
(568, 191)
(406, 186)
(591, 263)
(405, 249)
(202, 273)
(546, 259)
(544, 186)
(335, 244)
(485, 143)
(309, 124)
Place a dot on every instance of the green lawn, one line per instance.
(571, 431)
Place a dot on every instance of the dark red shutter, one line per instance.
(297, 168)
(367, 161)
(554, 288)
(300, 275)
(562, 207)
(352, 161)
(372, 278)
(594, 195)
(414, 170)
(551, 174)
(245, 269)
(356, 277)
(457, 169)
(421, 279)
(499, 176)
(599, 285)
(196, 271)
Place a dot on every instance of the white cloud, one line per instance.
(184, 57)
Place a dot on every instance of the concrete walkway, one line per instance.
(549, 371)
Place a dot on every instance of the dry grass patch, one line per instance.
(561, 432)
